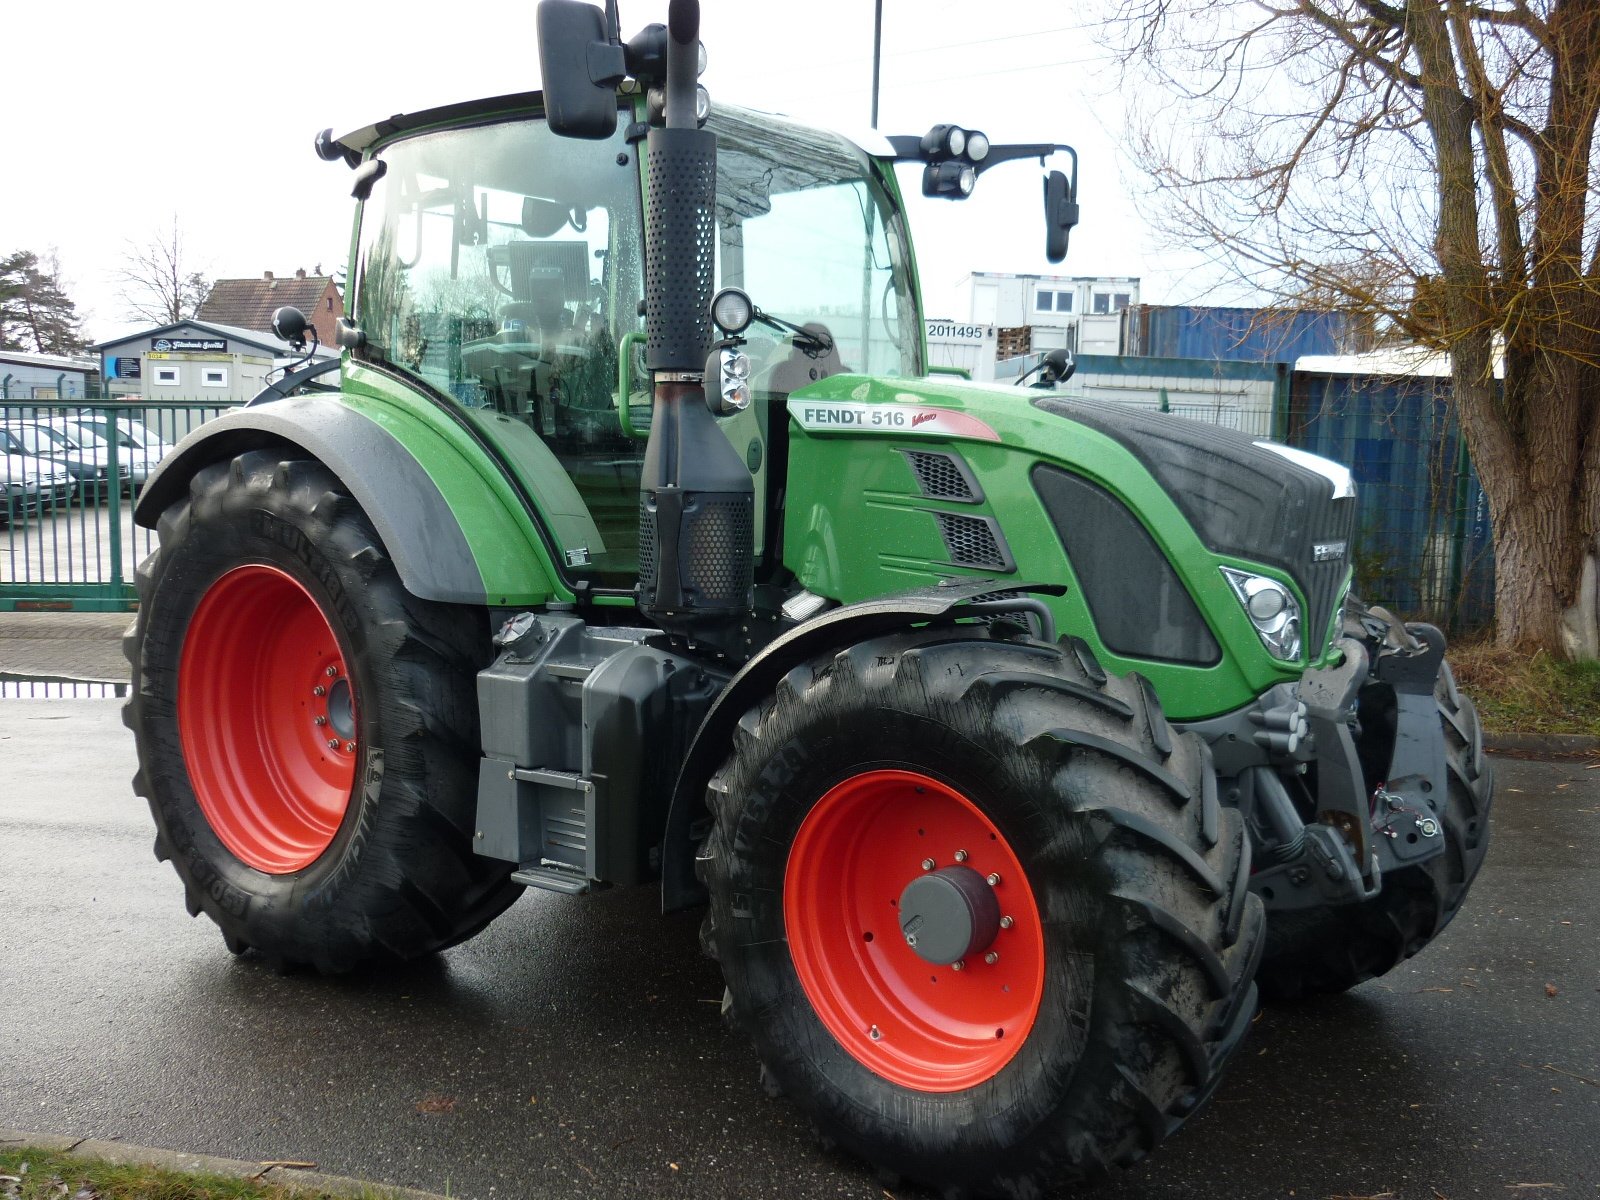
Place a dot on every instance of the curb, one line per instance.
(290, 1179)
(1543, 743)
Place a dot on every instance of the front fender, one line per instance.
(757, 678)
(411, 481)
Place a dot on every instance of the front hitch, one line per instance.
(1362, 826)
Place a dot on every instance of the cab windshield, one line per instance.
(503, 267)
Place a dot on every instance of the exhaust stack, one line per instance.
(696, 499)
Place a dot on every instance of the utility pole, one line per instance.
(877, 54)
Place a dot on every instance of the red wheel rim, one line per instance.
(267, 719)
(932, 1028)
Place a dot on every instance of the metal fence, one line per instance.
(1422, 543)
(70, 471)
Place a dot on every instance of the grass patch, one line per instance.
(1518, 694)
(40, 1175)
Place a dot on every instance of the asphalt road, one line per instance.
(574, 1049)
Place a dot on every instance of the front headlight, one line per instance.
(1272, 609)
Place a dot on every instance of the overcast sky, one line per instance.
(125, 113)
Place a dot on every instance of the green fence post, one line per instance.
(114, 510)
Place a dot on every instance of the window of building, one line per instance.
(1045, 300)
(167, 376)
(1042, 300)
(1102, 302)
(214, 377)
(1120, 301)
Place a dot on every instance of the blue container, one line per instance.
(1423, 544)
(1237, 334)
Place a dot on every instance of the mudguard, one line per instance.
(411, 490)
(757, 678)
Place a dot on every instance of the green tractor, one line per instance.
(1010, 741)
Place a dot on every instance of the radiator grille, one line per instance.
(974, 542)
(943, 477)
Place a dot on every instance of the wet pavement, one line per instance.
(575, 1049)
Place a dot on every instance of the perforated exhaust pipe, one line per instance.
(696, 499)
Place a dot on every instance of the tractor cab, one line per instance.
(501, 268)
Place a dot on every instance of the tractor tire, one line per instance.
(1126, 941)
(1324, 951)
(307, 730)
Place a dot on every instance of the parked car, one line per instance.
(88, 465)
(138, 449)
(29, 484)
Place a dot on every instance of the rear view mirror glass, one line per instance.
(1060, 215)
(573, 49)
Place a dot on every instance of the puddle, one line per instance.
(51, 687)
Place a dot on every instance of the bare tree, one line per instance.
(159, 278)
(1429, 163)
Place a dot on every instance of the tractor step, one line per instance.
(551, 880)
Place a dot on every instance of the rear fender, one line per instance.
(411, 482)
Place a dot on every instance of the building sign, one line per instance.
(168, 345)
(953, 331)
(122, 368)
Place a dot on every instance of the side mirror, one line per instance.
(289, 324)
(1060, 215)
(581, 66)
(1059, 366)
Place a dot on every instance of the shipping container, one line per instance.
(1259, 335)
(1423, 544)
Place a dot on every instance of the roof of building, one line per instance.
(250, 303)
(58, 362)
(1389, 362)
(250, 337)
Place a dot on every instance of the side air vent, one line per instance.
(975, 542)
(944, 476)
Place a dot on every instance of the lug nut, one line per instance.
(927, 864)
(332, 671)
(320, 720)
(993, 879)
(961, 856)
(1006, 922)
(350, 747)
(333, 743)
(319, 690)
(992, 957)
(958, 965)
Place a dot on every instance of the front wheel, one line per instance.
(979, 909)
(307, 731)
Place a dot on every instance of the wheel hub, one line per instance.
(268, 719)
(947, 1003)
(948, 915)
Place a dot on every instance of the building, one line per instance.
(191, 361)
(25, 376)
(250, 303)
(1079, 312)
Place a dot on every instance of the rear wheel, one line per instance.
(979, 910)
(1327, 950)
(307, 730)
